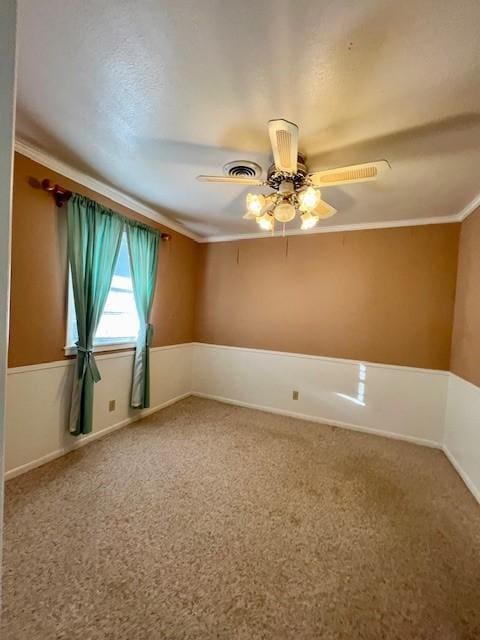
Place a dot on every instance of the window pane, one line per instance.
(119, 321)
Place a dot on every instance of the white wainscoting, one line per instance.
(462, 431)
(428, 407)
(399, 402)
(38, 401)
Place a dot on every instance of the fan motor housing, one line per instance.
(275, 177)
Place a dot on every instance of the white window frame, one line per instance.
(71, 349)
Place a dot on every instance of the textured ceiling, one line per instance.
(145, 95)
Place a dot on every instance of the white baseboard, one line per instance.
(83, 440)
(463, 474)
(326, 421)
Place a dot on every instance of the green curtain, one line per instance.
(94, 236)
(143, 250)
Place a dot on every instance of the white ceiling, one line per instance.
(146, 94)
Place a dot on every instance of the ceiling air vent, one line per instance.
(242, 169)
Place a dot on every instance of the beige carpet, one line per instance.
(210, 521)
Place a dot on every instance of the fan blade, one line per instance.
(349, 175)
(284, 141)
(254, 181)
(324, 210)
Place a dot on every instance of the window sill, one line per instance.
(100, 348)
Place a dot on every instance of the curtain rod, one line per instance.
(62, 195)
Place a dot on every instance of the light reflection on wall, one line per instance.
(360, 397)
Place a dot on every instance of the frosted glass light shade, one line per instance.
(309, 198)
(255, 203)
(308, 220)
(265, 222)
(284, 212)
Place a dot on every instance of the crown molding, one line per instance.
(52, 163)
(470, 208)
(361, 226)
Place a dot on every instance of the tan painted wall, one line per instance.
(39, 272)
(381, 295)
(465, 360)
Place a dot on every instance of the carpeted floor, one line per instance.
(211, 521)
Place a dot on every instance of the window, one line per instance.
(119, 323)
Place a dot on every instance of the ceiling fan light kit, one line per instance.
(296, 190)
(255, 203)
(309, 198)
(284, 212)
(266, 222)
(309, 220)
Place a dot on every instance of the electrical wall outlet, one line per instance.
(295, 395)
(111, 405)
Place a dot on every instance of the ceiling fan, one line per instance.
(296, 190)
